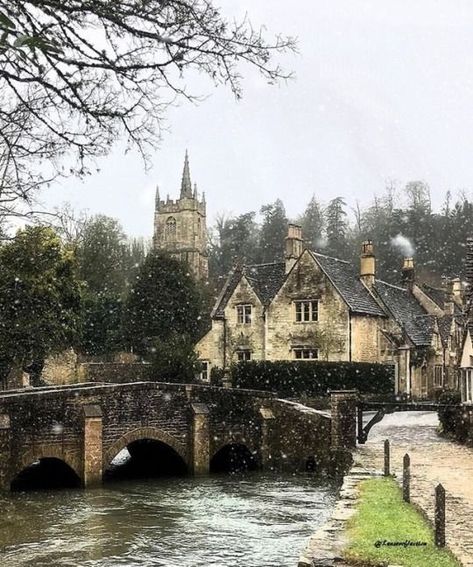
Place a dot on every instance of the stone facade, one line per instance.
(180, 227)
(315, 307)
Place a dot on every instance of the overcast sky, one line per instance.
(383, 90)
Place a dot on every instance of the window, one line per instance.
(171, 228)
(307, 311)
(244, 314)
(304, 353)
(438, 372)
(205, 371)
(243, 355)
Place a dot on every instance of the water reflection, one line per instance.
(253, 520)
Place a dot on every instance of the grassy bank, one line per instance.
(384, 519)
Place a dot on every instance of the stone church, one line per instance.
(313, 307)
(180, 226)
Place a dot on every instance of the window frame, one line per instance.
(205, 364)
(243, 355)
(244, 313)
(304, 311)
(302, 350)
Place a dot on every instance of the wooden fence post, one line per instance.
(406, 478)
(440, 516)
(387, 458)
(359, 424)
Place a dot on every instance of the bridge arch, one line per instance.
(55, 457)
(141, 434)
(234, 455)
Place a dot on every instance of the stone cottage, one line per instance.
(314, 307)
(466, 361)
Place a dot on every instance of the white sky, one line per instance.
(383, 90)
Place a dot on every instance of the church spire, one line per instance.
(157, 198)
(186, 185)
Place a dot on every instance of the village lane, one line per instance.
(433, 460)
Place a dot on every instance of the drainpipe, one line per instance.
(224, 343)
(265, 334)
(349, 336)
(408, 372)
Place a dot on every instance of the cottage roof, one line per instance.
(346, 280)
(439, 297)
(445, 328)
(407, 311)
(265, 279)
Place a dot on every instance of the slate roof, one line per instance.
(445, 325)
(439, 297)
(265, 279)
(344, 277)
(227, 292)
(408, 312)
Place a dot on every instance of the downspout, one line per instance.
(224, 343)
(349, 336)
(265, 333)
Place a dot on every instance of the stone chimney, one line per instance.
(367, 263)
(294, 246)
(408, 273)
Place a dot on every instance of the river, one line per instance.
(251, 520)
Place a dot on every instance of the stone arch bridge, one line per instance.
(87, 425)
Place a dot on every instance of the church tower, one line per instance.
(180, 226)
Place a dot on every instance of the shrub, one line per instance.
(299, 378)
(451, 418)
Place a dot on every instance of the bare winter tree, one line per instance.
(75, 75)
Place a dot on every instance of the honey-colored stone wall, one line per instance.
(365, 338)
(242, 336)
(329, 334)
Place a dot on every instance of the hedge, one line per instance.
(300, 378)
(453, 424)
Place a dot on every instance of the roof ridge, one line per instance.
(391, 285)
(330, 257)
(430, 286)
(265, 264)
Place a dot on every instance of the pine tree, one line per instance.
(337, 228)
(312, 222)
(273, 232)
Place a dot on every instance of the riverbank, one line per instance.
(387, 530)
(433, 460)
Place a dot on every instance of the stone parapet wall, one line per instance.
(88, 425)
(114, 372)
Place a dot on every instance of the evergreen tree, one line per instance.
(236, 239)
(312, 223)
(39, 300)
(102, 255)
(163, 313)
(337, 228)
(273, 232)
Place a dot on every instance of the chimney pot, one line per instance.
(408, 272)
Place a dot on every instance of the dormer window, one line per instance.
(244, 314)
(306, 310)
